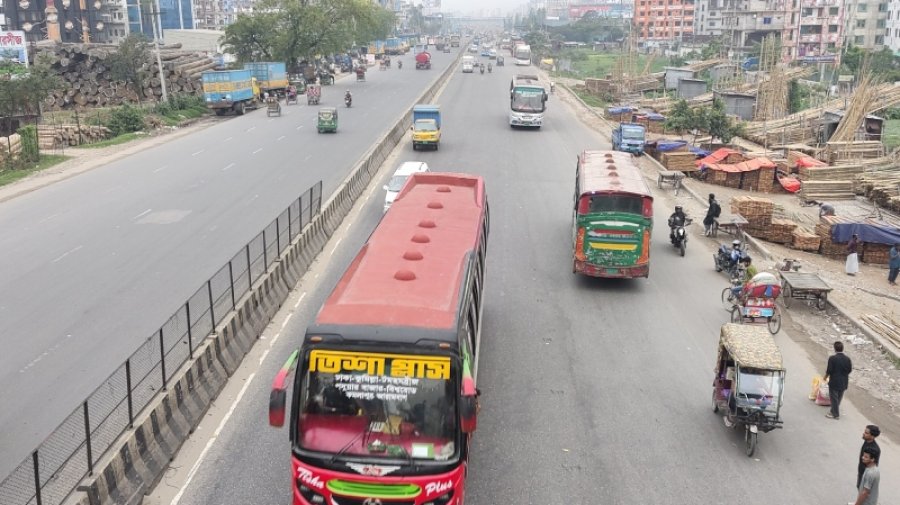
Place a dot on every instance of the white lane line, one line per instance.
(281, 137)
(254, 198)
(302, 296)
(251, 128)
(288, 318)
(263, 357)
(160, 169)
(212, 440)
(51, 216)
(308, 156)
(229, 166)
(301, 126)
(256, 151)
(198, 152)
(142, 214)
(66, 254)
(336, 245)
(229, 138)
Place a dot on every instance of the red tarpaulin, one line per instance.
(717, 156)
(744, 166)
(790, 184)
(808, 161)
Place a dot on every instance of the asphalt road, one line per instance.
(594, 391)
(95, 264)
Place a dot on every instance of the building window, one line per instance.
(859, 40)
(807, 12)
(881, 23)
(712, 23)
(882, 7)
(767, 21)
(831, 45)
(833, 28)
(862, 7)
(860, 23)
(879, 40)
(833, 11)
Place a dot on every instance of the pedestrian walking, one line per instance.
(826, 209)
(869, 435)
(837, 374)
(852, 265)
(868, 486)
(713, 212)
(894, 264)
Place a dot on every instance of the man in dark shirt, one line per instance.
(869, 436)
(838, 377)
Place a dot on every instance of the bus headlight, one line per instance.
(441, 500)
(310, 495)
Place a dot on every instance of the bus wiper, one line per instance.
(352, 441)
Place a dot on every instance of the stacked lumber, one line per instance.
(682, 161)
(882, 187)
(833, 173)
(805, 241)
(88, 82)
(58, 136)
(878, 254)
(781, 231)
(757, 211)
(884, 326)
(828, 248)
(827, 190)
(10, 147)
(853, 150)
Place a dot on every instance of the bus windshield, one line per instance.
(380, 406)
(527, 99)
(627, 204)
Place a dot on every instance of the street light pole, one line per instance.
(162, 76)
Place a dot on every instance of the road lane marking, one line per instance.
(301, 126)
(43, 355)
(256, 151)
(281, 137)
(229, 138)
(66, 254)
(51, 216)
(212, 440)
(251, 128)
(160, 169)
(336, 245)
(300, 300)
(288, 318)
(229, 166)
(254, 198)
(142, 214)
(308, 156)
(198, 152)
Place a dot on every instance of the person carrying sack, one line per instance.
(712, 213)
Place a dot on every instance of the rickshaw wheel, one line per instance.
(774, 322)
(822, 301)
(751, 439)
(727, 300)
(787, 295)
(736, 316)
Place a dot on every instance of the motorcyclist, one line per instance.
(347, 96)
(747, 271)
(399, 65)
(482, 68)
(490, 67)
(736, 251)
(675, 220)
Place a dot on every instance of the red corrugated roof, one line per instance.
(717, 156)
(744, 166)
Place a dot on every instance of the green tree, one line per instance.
(720, 125)
(128, 63)
(251, 37)
(680, 118)
(22, 94)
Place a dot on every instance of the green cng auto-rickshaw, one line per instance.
(328, 120)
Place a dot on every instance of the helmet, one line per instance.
(735, 243)
(678, 208)
(347, 91)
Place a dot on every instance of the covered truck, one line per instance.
(423, 60)
(230, 90)
(270, 76)
(426, 128)
(630, 138)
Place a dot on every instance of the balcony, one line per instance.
(812, 37)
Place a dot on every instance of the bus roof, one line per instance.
(611, 171)
(411, 271)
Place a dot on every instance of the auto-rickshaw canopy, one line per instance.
(751, 346)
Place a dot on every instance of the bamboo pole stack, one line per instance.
(827, 190)
(884, 326)
(88, 81)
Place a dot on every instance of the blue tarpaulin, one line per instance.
(699, 152)
(620, 110)
(841, 233)
(653, 116)
(670, 146)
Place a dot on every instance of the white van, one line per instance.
(468, 64)
(393, 187)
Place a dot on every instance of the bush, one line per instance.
(179, 102)
(125, 119)
(30, 152)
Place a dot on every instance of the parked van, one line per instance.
(468, 64)
(393, 187)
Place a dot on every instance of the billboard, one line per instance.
(12, 47)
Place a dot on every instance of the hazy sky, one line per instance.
(475, 5)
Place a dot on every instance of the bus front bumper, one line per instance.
(592, 270)
(526, 120)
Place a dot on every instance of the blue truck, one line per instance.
(630, 138)
(270, 76)
(426, 128)
(230, 90)
(393, 46)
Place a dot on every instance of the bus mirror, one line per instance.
(468, 409)
(276, 407)
(545, 97)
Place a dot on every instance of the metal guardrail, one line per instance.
(53, 470)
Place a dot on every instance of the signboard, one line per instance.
(824, 58)
(367, 376)
(12, 47)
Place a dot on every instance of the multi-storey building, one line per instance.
(820, 33)
(892, 31)
(663, 22)
(866, 23)
(743, 23)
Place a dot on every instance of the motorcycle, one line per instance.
(723, 261)
(680, 238)
(482, 69)
(348, 100)
(489, 69)
(399, 65)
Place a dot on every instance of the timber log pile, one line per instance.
(59, 136)
(88, 82)
(10, 147)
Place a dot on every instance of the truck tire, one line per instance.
(239, 109)
(220, 112)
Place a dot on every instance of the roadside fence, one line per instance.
(54, 469)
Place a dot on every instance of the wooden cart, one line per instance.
(732, 224)
(804, 286)
(672, 177)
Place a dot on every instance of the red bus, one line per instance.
(384, 403)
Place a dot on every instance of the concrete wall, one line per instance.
(689, 88)
(673, 74)
(738, 105)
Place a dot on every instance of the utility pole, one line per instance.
(154, 12)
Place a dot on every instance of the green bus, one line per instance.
(612, 217)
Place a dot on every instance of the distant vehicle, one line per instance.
(230, 90)
(426, 128)
(630, 138)
(523, 55)
(492, 54)
(403, 172)
(473, 48)
(468, 64)
(527, 101)
(486, 53)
